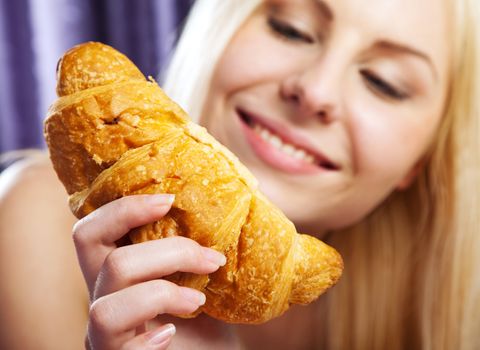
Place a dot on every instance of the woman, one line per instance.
(360, 123)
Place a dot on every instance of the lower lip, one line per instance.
(274, 157)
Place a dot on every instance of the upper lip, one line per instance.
(290, 136)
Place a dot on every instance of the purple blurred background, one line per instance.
(35, 33)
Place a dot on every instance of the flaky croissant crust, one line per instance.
(112, 133)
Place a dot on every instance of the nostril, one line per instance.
(323, 116)
(295, 98)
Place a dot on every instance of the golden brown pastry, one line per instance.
(112, 133)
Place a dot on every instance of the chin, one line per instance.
(305, 222)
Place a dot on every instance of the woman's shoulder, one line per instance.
(37, 255)
(31, 193)
(29, 180)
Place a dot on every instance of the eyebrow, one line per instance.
(402, 48)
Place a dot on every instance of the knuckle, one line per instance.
(79, 232)
(131, 203)
(99, 315)
(117, 265)
(167, 295)
(123, 204)
(194, 255)
(180, 241)
(189, 249)
(163, 289)
(130, 209)
(188, 252)
(159, 287)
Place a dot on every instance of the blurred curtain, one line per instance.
(35, 33)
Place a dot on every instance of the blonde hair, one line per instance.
(411, 279)
(210, 26)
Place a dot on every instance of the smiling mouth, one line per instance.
(284, 145)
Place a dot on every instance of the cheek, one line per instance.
(254, 57)
(388, 143)
(238, 65)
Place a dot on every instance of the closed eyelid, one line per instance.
(288, 30)
(383, 85)
(405, 49)
(303, 19)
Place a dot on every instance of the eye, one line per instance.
(381, 86)
(288, 32)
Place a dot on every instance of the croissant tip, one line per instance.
(92, 64)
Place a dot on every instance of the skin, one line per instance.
(313, 81)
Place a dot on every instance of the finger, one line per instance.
(136, 263)
(157, 339)
(105, 327)
(113, 318)
(95, 234)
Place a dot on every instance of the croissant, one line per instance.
(113, 133)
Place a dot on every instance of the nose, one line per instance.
(315, 91)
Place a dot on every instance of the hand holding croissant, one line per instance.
(112, 133)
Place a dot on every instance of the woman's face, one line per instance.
(332, 104)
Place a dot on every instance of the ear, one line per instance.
(408, 179)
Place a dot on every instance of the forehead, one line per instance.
(416, 20)
(421, 24)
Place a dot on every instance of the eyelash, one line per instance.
(381, 86)
(288, 32)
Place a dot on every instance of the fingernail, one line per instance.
(161, 335)
(160, 199)
(214, 257)
(193, 295)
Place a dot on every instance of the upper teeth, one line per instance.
(287, 148)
